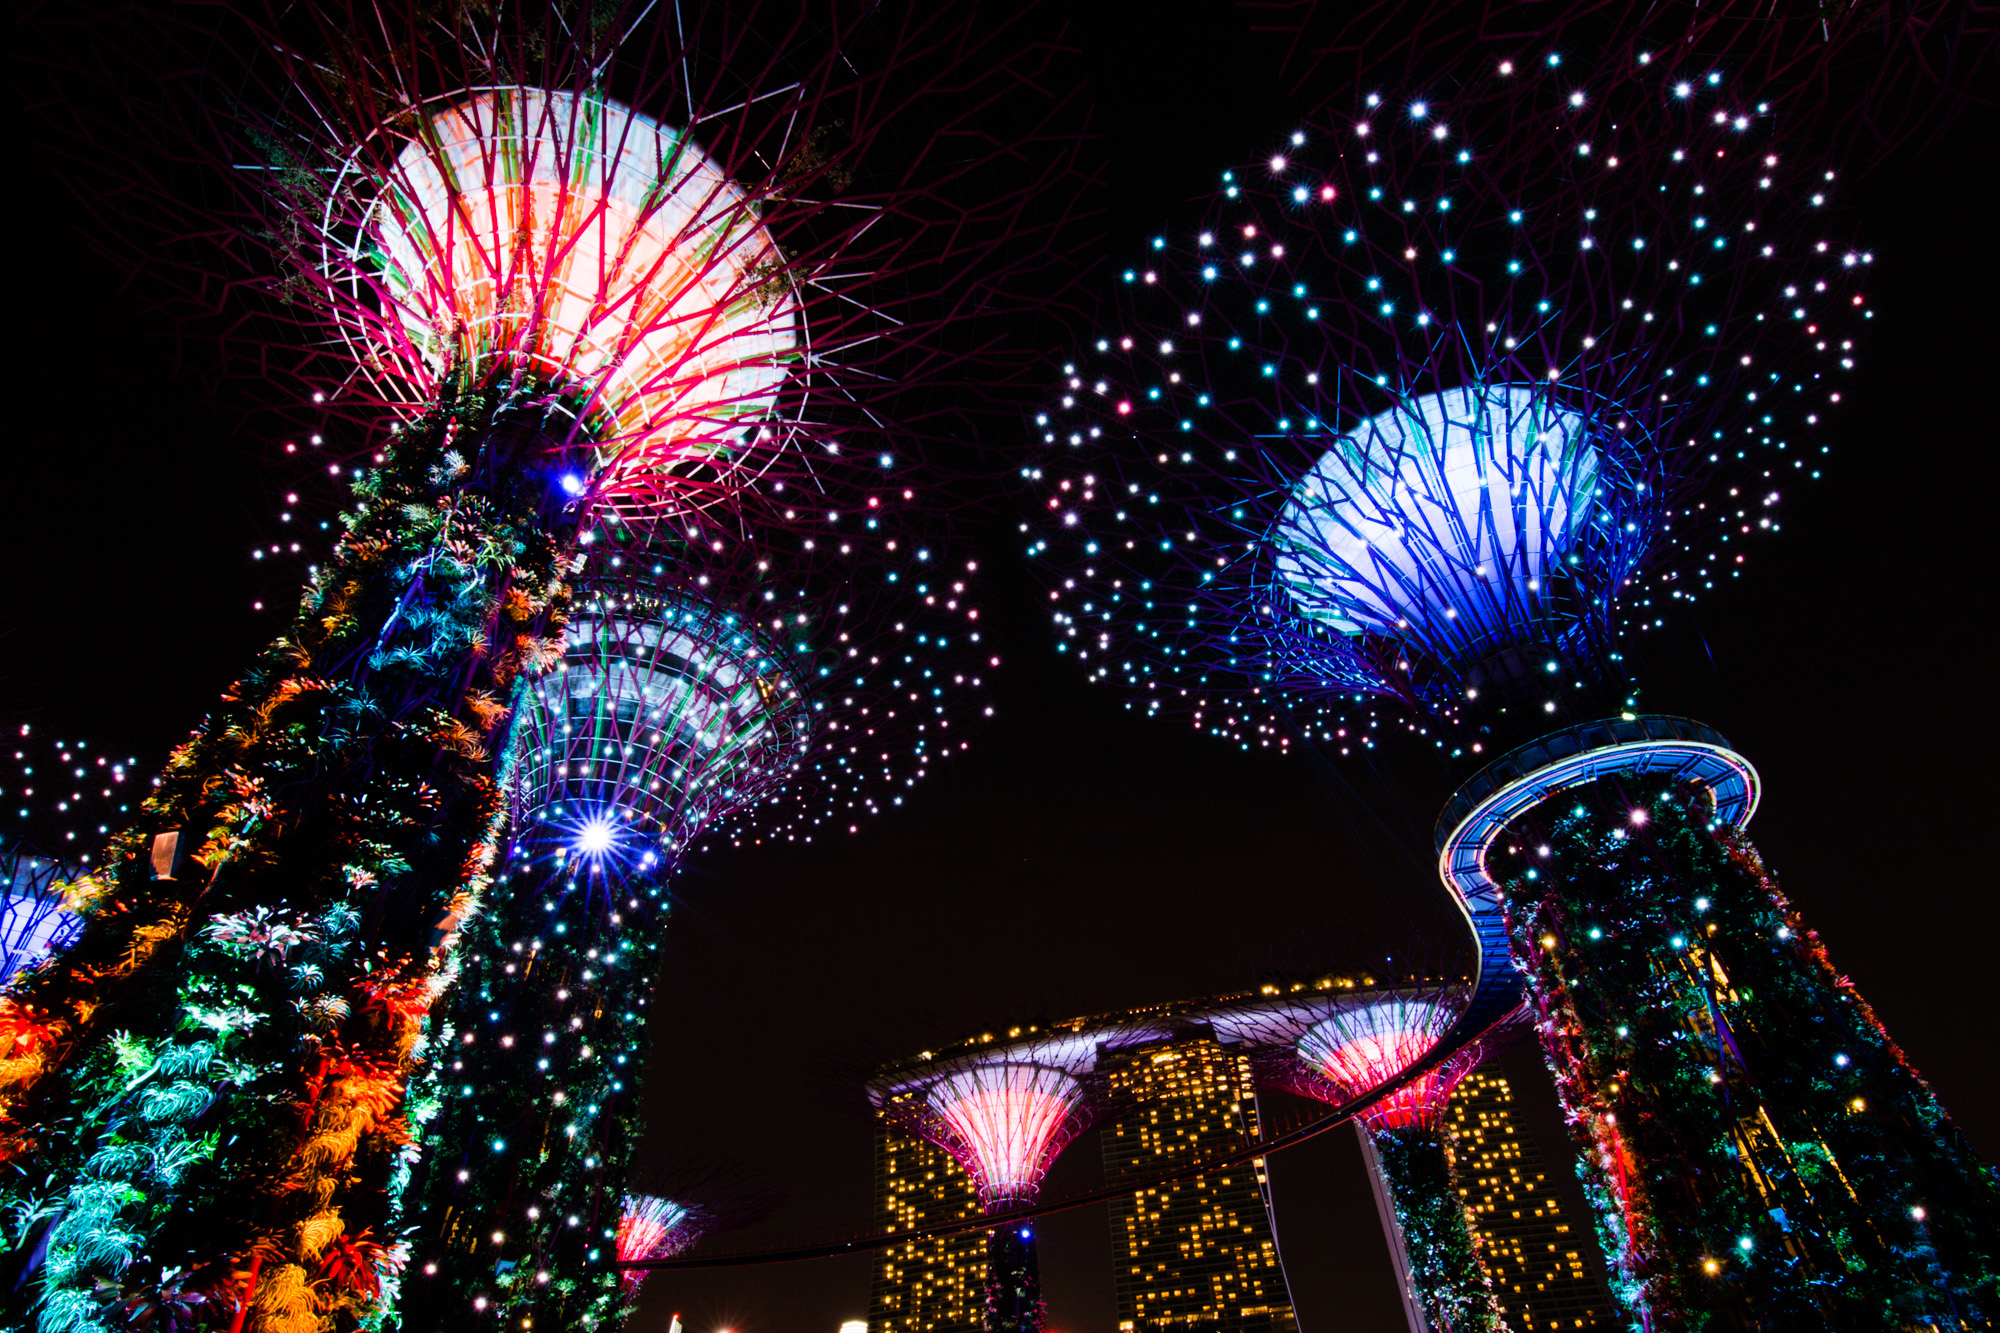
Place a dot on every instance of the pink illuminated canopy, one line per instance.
(1005, 1123)
(569, 237)
(1364, 1046)
(653, 1228)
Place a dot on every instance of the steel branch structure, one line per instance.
(1005, 1117)
(1441, 398)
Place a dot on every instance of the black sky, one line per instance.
(1078, 859)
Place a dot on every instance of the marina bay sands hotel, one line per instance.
(1179, 1083)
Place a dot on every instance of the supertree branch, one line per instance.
(1881, 76)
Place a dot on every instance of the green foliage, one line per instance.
(342, 791)
(1757, 1150)
(1451, 1285)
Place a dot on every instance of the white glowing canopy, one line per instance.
(570, 235)
(1006, 1123)
(1440, 520)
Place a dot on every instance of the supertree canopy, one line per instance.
(1439, 400)
(653, 1228)
(663, 716)
(558, 236)
(1430, 423)
(1362, 1046)
(1006, 1123)
(545, 330)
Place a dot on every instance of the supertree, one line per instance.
(1005, 1115)
(1362, 1042)
(688, 704)
(650, 1227)
(545, 314)
(1005, 1107)
(1428, 425)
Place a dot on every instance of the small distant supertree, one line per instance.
(1362, 1043)
(1005, 1117)
(620, 276)
(655, 1228)
(1428, 425)
(675, 715)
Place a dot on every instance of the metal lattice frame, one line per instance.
(34, 921)
(562, 238)
(1005, 1115)
(664, 716)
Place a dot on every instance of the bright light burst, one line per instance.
(596, 836)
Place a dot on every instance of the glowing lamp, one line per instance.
(596, 837)
(567, 237)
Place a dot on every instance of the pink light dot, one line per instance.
(1124, 409)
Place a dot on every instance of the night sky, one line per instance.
(1079, 859)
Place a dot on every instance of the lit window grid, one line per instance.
(925, 1286)
(1199, 1251)
(1530, 1249)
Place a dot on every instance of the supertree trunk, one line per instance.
(343, 788)
(343, 792)
(683, 709)
(1013, 1281)
(536, 1113)
(1451, 1289)
(1757, 1150)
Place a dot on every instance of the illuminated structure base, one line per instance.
(1013, 1281)
(1757, 1151)
(1437, 1264)
(535, 1110)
